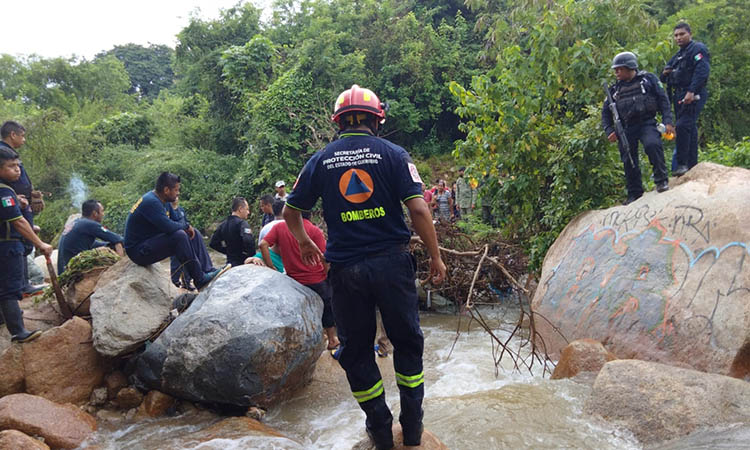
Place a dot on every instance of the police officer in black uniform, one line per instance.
(234, 237)
(638, 96)
(363, 180)
(686, 75)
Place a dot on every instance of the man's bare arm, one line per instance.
(422, 221)
(311, 254)
(265, 253)
(23, 227)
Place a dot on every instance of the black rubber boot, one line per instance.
(382, 438)
(413, 435)
(379, 422)
(14, 321)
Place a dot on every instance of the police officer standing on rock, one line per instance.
(362, 180)
(638, 96)
(687, 74)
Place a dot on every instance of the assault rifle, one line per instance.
(622, 139)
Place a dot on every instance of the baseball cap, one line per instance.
(280, 183)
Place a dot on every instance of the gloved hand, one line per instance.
(37, 202)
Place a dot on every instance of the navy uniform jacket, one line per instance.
(235, 239)
(10, 211)
(83, 235)
(653, 89)
(690, 68)
(150, 217)
(362, 179)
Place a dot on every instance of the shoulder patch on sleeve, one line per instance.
(248, 231)
(7, 202)
(698, 56)
(414, 173)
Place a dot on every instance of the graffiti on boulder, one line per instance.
(645, 271)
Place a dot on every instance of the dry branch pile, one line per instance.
(488, 272)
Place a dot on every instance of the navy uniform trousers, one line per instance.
(163, 246)
(650, 137)
(385, 280)
(686, 131)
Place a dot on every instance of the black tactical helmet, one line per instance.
(625, 59)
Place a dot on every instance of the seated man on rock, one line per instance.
(151, 235)
(180, 277)
(84, 234)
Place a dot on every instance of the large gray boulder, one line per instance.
(666, 278)
(129, 305)
(659, 402)
(251, 338)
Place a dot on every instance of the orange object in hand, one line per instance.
(668, 136)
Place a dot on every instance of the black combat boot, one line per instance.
(663, 186)
(14, 321)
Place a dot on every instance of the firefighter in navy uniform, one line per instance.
(638, 96)
(686, 75)
(363, 179)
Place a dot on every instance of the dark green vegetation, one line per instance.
(511, 88)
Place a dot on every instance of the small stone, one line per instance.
(129, 397)
(582, 355)
(109, 415)
(256, 413)
(130, 415)
(156, 404)
(98, 396)
(115, 381)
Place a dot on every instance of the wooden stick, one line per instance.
(64, 308)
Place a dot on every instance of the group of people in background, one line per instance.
(449, 205)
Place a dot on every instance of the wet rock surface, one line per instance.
(657, 402)
(429, 442)
(62, 365)
(15, 440)
(61, 426)
(583, 355)
(251, 338)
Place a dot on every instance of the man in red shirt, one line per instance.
(315, 277)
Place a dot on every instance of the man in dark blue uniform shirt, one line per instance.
(83, 234)
(686, 75)
(13, 136)
(14, 228)
(638, 96)
(363, 179)
(234, 237)
(151, 235)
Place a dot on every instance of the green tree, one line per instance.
(149, 68)
(198, 67)
(528, 122)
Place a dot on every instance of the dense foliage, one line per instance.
(510, 89)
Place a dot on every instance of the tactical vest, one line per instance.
(635, 101)
(5, 226)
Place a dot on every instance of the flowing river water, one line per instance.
(466, 405)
